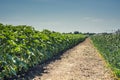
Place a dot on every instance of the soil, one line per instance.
(82, 62)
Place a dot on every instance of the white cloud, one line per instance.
(92, 19)
(87, 18)
(97, 20)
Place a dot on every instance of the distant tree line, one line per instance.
(88, 33)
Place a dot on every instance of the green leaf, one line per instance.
(11, 42)
(17, 49)
(2, 37)
(12, 70)
(36, 41)
(11, 58)
(12, 37)
(22, 37)
(23, 64)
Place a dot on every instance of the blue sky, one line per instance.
(62, 15)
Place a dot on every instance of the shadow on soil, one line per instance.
(40, 69)
(37, 70)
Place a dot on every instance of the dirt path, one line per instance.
(79, 63)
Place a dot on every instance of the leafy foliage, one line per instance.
(22, 47)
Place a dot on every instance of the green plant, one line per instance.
(109, 46)
(22, 47)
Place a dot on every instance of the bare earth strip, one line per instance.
(79, 63)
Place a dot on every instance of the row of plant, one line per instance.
(109, 47)
(22, 47)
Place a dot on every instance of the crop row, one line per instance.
(109, 47)
(22, 47)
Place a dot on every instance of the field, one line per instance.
(23, 47)
(109, 47)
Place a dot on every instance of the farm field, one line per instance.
(26, 54)
(60, 40)
(22, 47)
